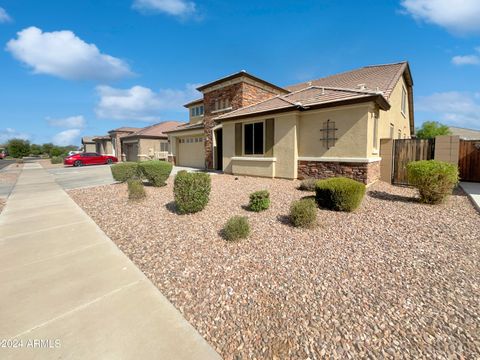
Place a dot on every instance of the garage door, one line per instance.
(191, 152)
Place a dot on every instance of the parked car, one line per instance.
(70, 153)
(3, 155)
(89, 159)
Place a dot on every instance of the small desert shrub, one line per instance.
(434, 179)
(136, 190)
(340, 194)
(303, 213)
(56, 160)
(236, 228)
(191, 191)
(259, 200)
(156, 172)
(308, 185)
(125, 171)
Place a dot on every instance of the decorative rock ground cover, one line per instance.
(393, 279)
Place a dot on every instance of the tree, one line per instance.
(46, 148)
(18, 148)
(431, 129)
(35, 149)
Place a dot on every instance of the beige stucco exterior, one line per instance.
(89, 147)
(400, 121)
(142, 149)
(298, 136)
(104, 147)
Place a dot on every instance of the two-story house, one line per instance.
(321, 128)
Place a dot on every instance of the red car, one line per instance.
(89, 159)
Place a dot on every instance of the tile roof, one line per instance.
(126, 129)
(186, 126)
(305, 98)
(87, 139)
(368, 83)
(103, 137)
(196, 101)
(381, 77)
(155, 130)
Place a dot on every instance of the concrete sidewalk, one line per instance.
(66, 291)
(473, 191)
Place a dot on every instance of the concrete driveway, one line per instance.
(4, 163)
(77, 177)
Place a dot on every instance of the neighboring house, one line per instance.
(116, 136)
(88, 144)
(148, 143)
(326, 127)
(103, 145)
(465, 134)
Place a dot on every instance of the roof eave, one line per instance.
(378, 98)
(239, 74)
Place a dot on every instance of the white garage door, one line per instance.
(191, 152)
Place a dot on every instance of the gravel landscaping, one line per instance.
(394, 279)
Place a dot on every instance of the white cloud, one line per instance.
(67, 137)
(466, 60)
(459, 16)
(10, 133)
(453, 108)
(171, 7)
(4, 17)
(63, 54)
(68, 122)
(141, 103)
(473, 59)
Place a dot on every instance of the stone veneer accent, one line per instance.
(366, 173)
(240, 94)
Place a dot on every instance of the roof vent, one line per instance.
(323, 91)
(244, 71)
(362, 86)
(309, 83)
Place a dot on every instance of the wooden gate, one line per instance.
(407, 150)
(469, 160)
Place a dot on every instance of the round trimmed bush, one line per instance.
(339, 194)
(259, 201)
(136, 190)
(308, 185)
(156, 172)
(125, 171)
(236, 228)
(303, 213)
(434, 179)
(191, 191)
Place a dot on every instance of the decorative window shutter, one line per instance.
(238, 139)
(269, 137)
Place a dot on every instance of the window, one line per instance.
(164, 146)
(222, 104)
(196, 111)
(253, 139)
(375, 131)
(404, 101)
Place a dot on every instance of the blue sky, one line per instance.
(94, 65)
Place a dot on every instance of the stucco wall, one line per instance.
(394, 115)
(89, 147)
(352, 125)
(285, 148)
(148, 147)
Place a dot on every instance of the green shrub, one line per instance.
(259, 201)
(136, 190)
(125, 171)
(308, 185)
(434, 179)
(340, 194)
(303, 213)
(156, 172)
(236, 228)
(56, 160)
(191, 191)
